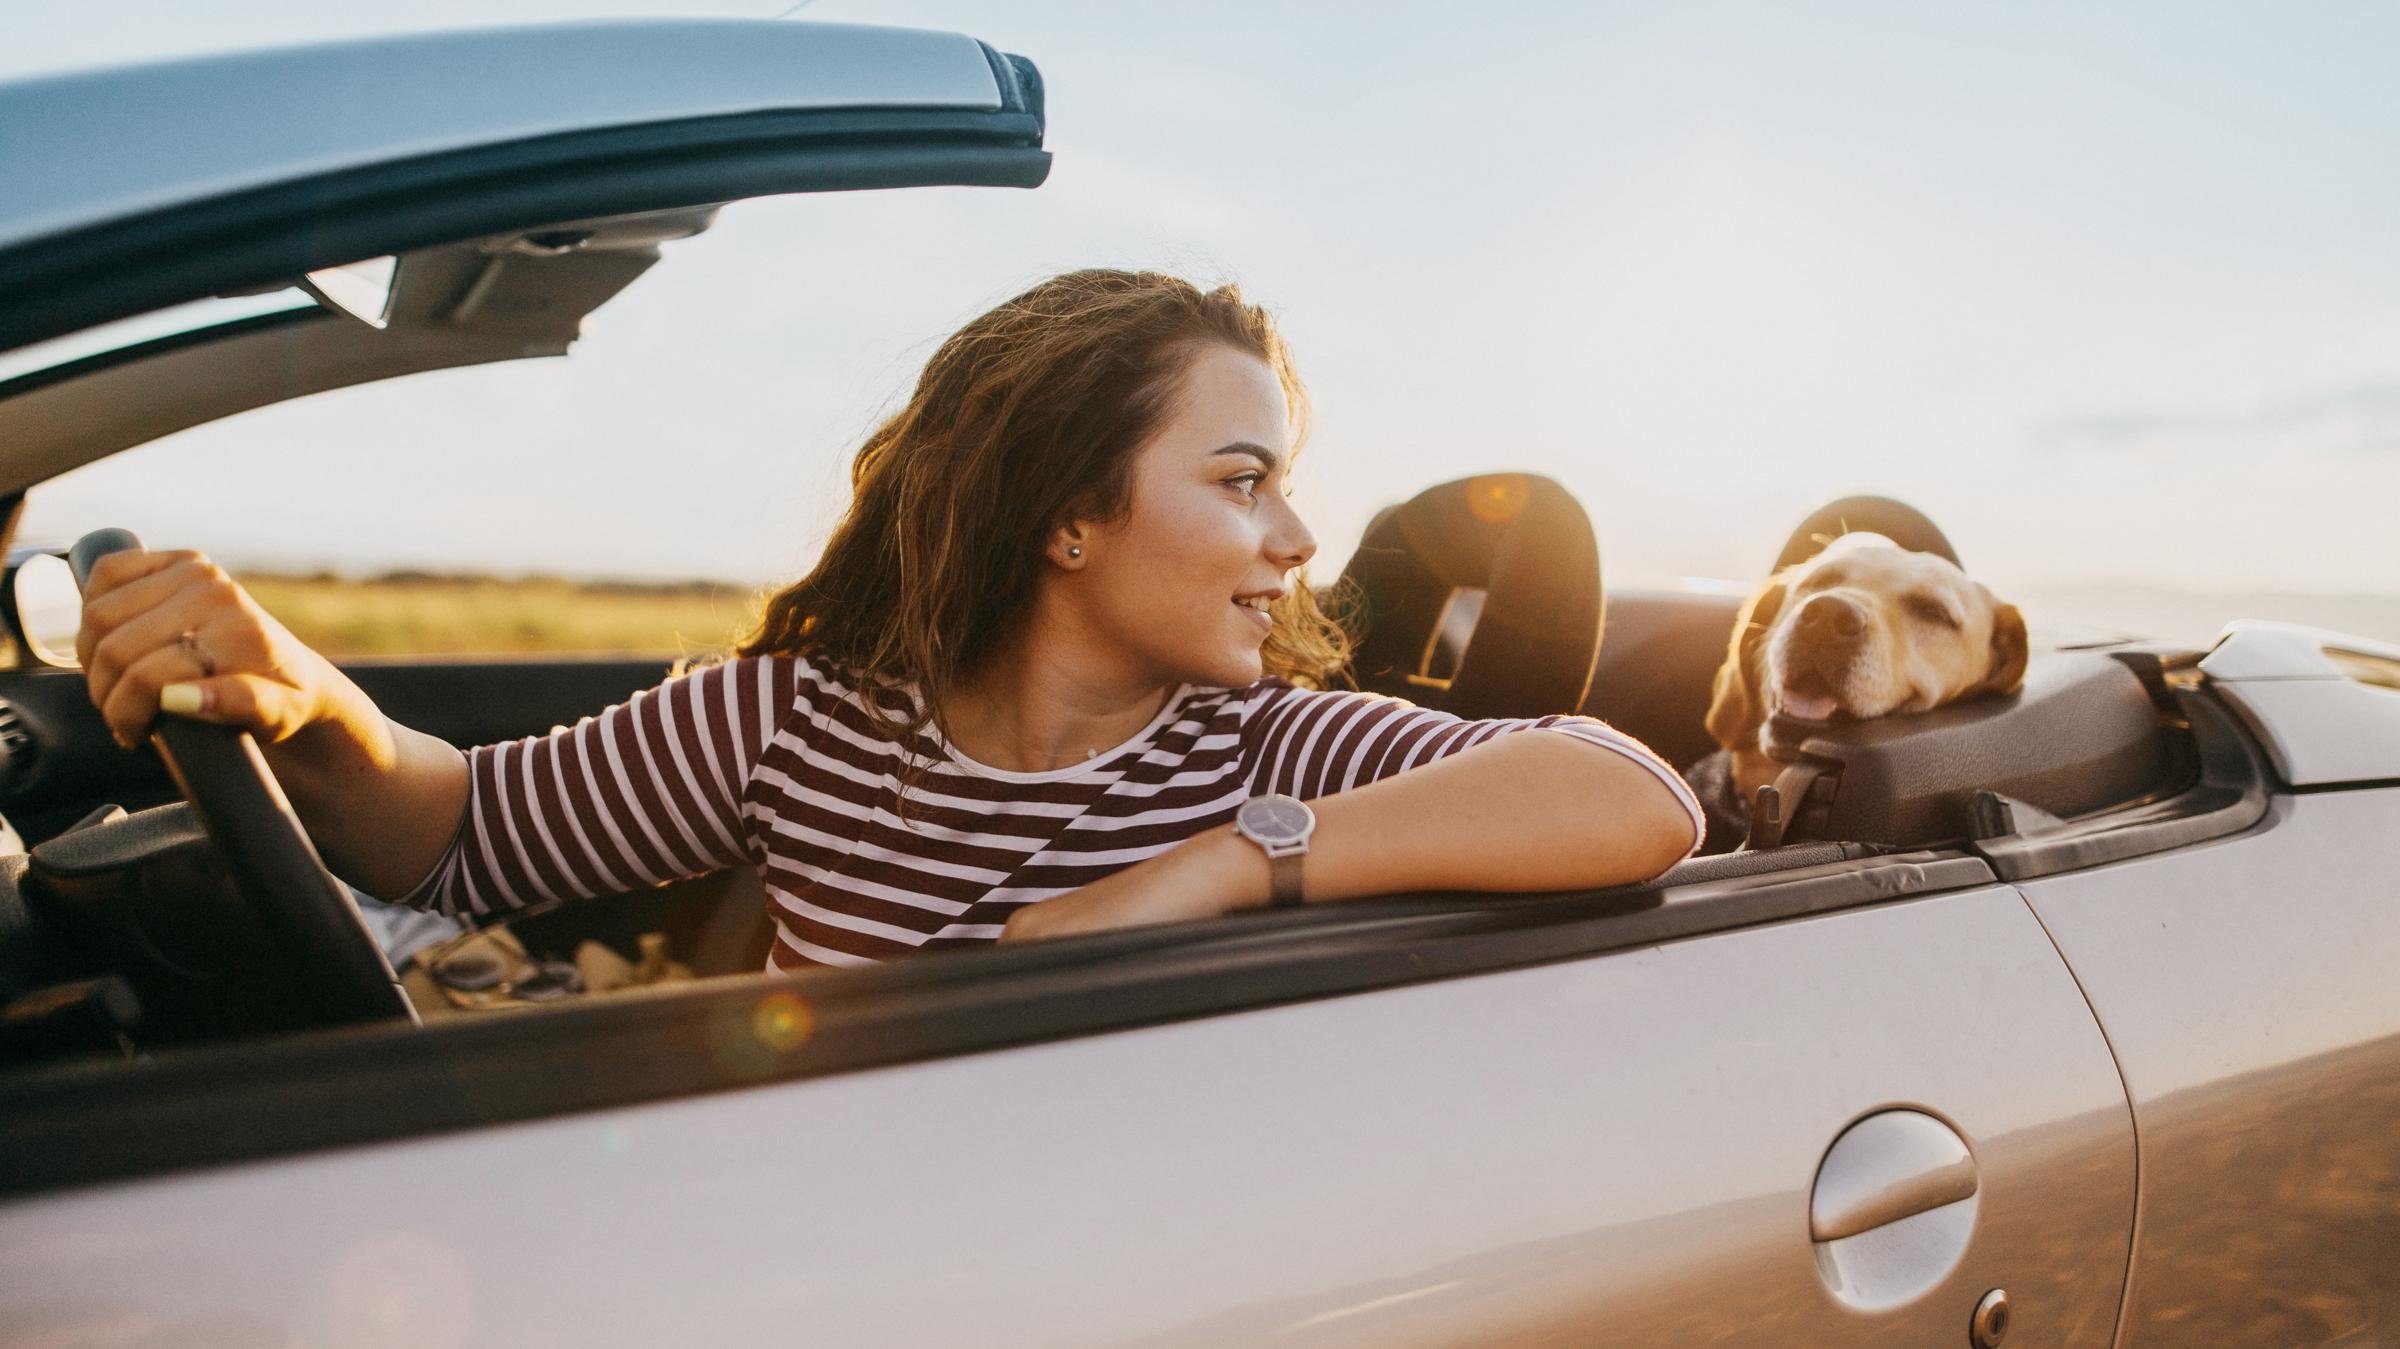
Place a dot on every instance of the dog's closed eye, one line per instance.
(1931, 610)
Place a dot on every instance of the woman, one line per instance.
(1056, 644)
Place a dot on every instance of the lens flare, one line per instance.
(782, 1022)
(1497, 498)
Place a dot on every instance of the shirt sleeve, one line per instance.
(636, 795)
(1309, 744)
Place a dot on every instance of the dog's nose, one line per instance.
(1833, 614)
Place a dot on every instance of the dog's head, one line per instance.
(1863, 629)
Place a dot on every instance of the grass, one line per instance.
(428, 614)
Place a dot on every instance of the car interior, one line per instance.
(1481, 596)
(126, 922)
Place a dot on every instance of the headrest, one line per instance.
(1898, 521)
(1526, 544)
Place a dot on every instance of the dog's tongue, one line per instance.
(1807, 706)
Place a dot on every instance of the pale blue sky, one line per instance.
(2112, 292)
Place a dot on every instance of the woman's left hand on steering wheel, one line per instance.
(156, 620)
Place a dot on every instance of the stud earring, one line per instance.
(1074, 550)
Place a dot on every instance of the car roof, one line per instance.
(88, 148)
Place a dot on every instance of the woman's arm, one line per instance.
(382, 802)
(170, 627)
(635, 795)
(632, 796)
(1524, 811)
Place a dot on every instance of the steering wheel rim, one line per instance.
(303, 907)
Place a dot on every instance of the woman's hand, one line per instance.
(173, 628)
(1206, 875)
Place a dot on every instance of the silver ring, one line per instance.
(190, 641)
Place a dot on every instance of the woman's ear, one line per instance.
(1067, 547)
(1736, 711)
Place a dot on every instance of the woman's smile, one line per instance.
(1254, 608)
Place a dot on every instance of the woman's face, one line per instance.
(1209, 528)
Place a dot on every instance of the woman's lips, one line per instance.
(1266, 623)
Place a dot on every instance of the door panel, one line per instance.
(483, 702)
(2248, 989)
(1618, 1149)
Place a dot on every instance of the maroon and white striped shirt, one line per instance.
(771, 760)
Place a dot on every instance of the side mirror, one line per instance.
(45, 606)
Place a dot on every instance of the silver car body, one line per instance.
(2135, 1072)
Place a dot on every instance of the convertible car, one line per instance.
(2066, 1017)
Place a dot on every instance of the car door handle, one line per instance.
(1890, 1165)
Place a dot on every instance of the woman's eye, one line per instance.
(1246, 483)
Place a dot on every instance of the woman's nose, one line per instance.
(1292, 542)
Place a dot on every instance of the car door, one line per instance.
(1574, 1121)
(2246, 985)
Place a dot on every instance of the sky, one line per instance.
(2110, 291)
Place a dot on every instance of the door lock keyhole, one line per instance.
(1991, 1320)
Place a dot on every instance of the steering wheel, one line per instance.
(303, 908)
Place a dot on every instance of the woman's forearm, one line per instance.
(382, 802)
(1534, 810)
(1530, 811)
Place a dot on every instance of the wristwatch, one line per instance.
(1280, 826)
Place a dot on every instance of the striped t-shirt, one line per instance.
(772, 761)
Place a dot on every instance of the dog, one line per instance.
(1862, 629)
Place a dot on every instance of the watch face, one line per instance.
(1276, 819)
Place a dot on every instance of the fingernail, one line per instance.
(182, 699)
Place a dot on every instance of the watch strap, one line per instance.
(1283, 878)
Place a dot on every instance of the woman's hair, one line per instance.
(1026, 418)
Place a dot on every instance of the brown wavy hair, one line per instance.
(1027, 418)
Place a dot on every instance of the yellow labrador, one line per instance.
(1863, 629)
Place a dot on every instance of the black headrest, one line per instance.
(1526, 544)
(1898, 521)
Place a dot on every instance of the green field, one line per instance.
(419, 613)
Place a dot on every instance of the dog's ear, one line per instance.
(1738, 709)
(2010, 651)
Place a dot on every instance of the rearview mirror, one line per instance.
(363, 290)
